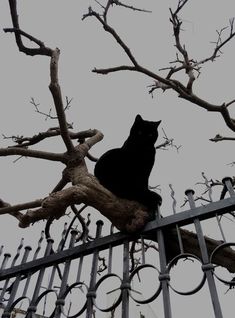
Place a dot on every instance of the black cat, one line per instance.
(125, 171)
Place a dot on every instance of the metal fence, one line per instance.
(68, 267)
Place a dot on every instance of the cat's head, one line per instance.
(144, 131)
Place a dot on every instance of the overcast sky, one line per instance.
(110, 103)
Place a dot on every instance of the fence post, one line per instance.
(207, 267)
(7, 311)
(91, 292)
(60, 301)
(125, 281)
(164, 276)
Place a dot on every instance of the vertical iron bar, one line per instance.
(164, 276)
(26, 286)
(5, 260)
(39, 245)
(52, 276)
(7, 310)
(3, 266)
(206, 267)
(1, 249)
(60, 301)
(142, 250)
(91, 291)
(32, 307)
(177, 227)
(67, 265)
(125, 280)
(12, 265)
(110, 257)
(63, 237)
(78, 279)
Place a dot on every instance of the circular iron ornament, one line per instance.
(68, 290)
(13, 305)
(136, 272)
(216, 250)
(118, 301)
(44, 294)
(173, 263)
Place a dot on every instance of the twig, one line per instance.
(218, 137)
(167, 142)
(110, 30)
(189, 65)
(36, 105)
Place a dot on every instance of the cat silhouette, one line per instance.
(125, 171)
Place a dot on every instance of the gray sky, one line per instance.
(110, 103)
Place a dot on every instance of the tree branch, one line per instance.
(16, 151)
(42, 50)
(54, 84)
(58, 101)
(90, 192)
(110, 30)
(221, 138)
(189, 65)
(6, 208)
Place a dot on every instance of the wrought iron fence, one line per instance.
(68, 267)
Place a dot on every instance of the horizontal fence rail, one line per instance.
(65, 269)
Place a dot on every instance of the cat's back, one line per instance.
(107, 162)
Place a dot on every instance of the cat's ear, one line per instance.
(158, 123)
(138, 118)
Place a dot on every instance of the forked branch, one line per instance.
(189, 65)
(54, 84)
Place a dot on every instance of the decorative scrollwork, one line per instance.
(69, 290)
(220, 248)
(174, 261)
(119, 298)
(136, 272)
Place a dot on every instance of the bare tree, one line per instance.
(85, 188)
(183, 62)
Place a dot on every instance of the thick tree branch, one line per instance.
(16, 151)
(76, 172)
(16, 213)
(90, 192)
(6, 208)
(58, 101)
